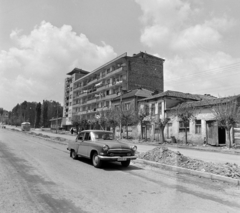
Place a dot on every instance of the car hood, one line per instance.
(114, 144)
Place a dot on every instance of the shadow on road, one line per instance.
(111, 166)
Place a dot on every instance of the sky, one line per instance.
(42, 40)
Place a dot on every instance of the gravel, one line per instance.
(166, 156)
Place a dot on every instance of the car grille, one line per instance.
(119, 152)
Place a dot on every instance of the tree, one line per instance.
(227, 115)
(38, 115)
(143, 112)
(161, 123)
(129, 117)
(112, 118)
(102, 119)
(76, 121)
(45, 119)
(185, 113)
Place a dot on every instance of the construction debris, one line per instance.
(166, 156)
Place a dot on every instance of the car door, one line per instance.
(85, 145)
(79, 141)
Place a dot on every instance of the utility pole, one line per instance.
(57, 120)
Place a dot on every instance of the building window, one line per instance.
(198, 126)
(153, 109)
(182, 127)
(107, 92)
(160, 108)
(127, 106)
(147, 109)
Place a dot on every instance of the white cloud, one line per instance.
(191, 39)
(35, 69)
(173, 24)
(217, 74)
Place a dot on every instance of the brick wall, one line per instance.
(145, 71)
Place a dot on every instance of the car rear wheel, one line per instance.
(125, 163)
(73, 154)
(96, 160)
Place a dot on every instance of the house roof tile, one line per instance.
(207, 102)
(176, 94)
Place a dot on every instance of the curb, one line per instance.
(231, 152)
(189, 171)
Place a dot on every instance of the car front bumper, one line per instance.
(117, 158)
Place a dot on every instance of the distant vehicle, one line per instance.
(25, 126)
(99, 146)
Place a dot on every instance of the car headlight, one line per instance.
(105, 148)
(134, 148)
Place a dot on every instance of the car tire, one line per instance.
(125, 163)
(96, 160)
(73, 154)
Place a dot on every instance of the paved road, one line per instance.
(197, 154)
(39, 176)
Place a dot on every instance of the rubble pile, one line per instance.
(166, 156)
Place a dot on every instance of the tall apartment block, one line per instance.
(89, 92)
(74, 75)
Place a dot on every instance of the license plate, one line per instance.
(122, 159)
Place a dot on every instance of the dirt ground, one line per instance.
(169, 157)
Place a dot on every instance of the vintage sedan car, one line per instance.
(99, 146)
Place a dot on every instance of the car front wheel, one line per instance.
(96, 160)
(125, 163)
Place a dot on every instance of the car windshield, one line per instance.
(103, 135)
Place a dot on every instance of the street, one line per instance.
(39, 176)
(215, 157)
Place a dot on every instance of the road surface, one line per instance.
(39, 176)
(216, 157)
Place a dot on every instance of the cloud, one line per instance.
(192, 40)
(36, 67)
(175, 25)
(217, 74)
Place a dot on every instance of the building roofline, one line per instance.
(135, 55)
(95, 70)
(206, 102)
(77, 70)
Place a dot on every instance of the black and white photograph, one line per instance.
(119, 106)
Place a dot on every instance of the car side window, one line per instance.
(87, 136)
(80, 137)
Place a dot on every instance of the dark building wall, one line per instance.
(145, 71)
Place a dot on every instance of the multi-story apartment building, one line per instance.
(75, 74)
(92, 92)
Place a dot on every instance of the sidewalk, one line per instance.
(206, 147)
(144, 146)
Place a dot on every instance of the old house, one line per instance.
(204, 128)
(129, 100)
(158, 105)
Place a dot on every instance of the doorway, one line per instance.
(221, 136)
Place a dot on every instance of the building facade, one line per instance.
(159, 106)
(74, 75)
(92, 92)
(202, 128)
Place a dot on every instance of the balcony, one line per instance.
(114, 72)
(92, 101)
